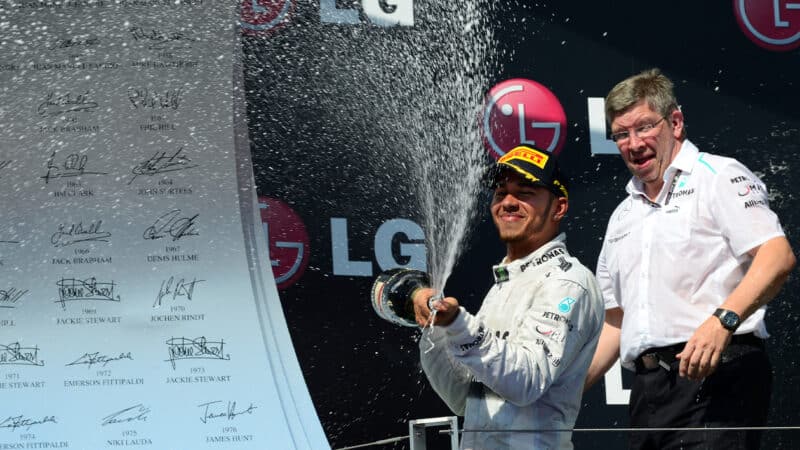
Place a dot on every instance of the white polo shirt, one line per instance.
(670, 263)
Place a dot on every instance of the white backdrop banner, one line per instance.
(137, 304)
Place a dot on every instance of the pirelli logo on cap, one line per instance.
(529, 155)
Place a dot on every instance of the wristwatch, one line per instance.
(729, 319)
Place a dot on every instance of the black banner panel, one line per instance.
(370, 121)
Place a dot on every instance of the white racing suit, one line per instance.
(520, 363)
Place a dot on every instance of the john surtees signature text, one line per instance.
(161, 163)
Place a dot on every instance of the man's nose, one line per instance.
(635, 142)
(510, 201)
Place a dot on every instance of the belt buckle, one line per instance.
(652, 361)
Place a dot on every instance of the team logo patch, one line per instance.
(565, 305)
(500, 274)
(750, 188)
(553, 335)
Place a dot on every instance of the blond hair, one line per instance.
(650, 85)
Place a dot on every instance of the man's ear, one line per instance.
(676, 121)
(560, 207)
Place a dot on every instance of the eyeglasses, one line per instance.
(640, 132)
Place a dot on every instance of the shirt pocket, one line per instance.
(673, 225)
(675, 252)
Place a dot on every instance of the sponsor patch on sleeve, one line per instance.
(565, 305)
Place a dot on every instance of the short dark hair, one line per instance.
(650, 85)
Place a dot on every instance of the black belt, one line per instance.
(665, 356)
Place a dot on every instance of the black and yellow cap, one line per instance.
(535, 166)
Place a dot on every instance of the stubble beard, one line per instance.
(511, 237)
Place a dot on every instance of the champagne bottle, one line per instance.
(393, 294)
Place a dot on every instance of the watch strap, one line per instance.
(729, 319)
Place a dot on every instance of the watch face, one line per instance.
(729, 319)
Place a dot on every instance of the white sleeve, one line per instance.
(553, 332)
(448, 378)
(605, 280)
(739, 205)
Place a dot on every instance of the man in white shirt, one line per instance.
(515, 369)
(689, 261)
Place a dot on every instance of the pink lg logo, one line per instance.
(520, 111)
(259, 17)
(287, 239)
(771, 24)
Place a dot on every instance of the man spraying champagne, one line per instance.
(515, 369)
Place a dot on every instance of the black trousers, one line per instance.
(737, 394)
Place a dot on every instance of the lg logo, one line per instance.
(406, 234)
(397, 243)
(263, 16)
(771, 24)
(520, 111)
(287, 239)
(260, 17)
(384, 13)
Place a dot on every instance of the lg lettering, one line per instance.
(412, 247)
(599, 144)
(384, 13)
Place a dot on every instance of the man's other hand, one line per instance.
(703, 350)
(447, 308)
